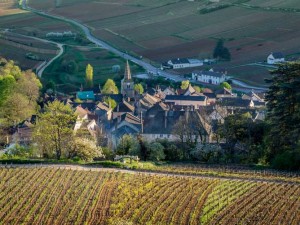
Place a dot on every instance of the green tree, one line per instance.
(197, 89)
(85, 149)
(53, 132)
(185, 84)
(283, 111)
(139, 88)
(128, 145)
(111, 102)
(156, 151)
(225, 85)
(110, 87)
(221, 52)
(89, 76)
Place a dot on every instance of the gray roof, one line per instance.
(209, 73)
(235, 102)
(180, 61)
(185, 98)
(278, 55)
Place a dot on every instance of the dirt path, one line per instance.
(137, 172)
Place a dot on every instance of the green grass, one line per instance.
(101, 60)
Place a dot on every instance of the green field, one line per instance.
(78, 195)
(101, 60)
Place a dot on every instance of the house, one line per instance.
(236, 103)
(181, 63)
(127, 84)
(254, 96)
(85, 95)
(122, 125)
(209, 77)
(160, 123)
(148, 101)
(225, 93)
(183, 100)
(276, 57)
(104, 111)
(123, 108)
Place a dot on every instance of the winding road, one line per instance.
(147, 66)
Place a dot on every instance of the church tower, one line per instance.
(127, 84)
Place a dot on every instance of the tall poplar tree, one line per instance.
(89, 76)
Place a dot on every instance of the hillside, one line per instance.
(73, 196)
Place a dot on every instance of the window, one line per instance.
(161, 135)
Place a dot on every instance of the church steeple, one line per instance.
(127, 84)
(127, 75)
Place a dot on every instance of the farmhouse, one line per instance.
(276, 57)
(182, 63)
(209, 77)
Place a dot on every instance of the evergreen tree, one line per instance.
(89, 74)
(221, 52)
(283, 108)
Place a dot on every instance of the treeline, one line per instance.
(19, 92)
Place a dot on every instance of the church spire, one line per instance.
(127, 75)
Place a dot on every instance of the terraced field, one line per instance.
(71, 196)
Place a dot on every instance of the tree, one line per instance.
(53, 132)
(185, 84)
(221, 52)
(139, 88)
(17, 108)
(111, 102)
(283, 111)
(197, 89)
(110, 87)
(128, 145)
(29, 85)
(85, 149)
(156, 151)
(89, 74)
(225, 85)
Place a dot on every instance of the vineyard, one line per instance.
(76, 196)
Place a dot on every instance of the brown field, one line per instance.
(160, 30)
(18, 55)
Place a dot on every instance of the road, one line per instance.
(41, 69)
(147, 66)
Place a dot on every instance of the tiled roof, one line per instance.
(184, 98)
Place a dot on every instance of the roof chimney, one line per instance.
(166, 119)
(142, 124)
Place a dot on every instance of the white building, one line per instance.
(276, 57)
(181, 63)
(209, 77)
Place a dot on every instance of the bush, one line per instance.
(289, 160)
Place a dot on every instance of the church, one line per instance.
(127, 83)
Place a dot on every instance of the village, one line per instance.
(154, 114)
